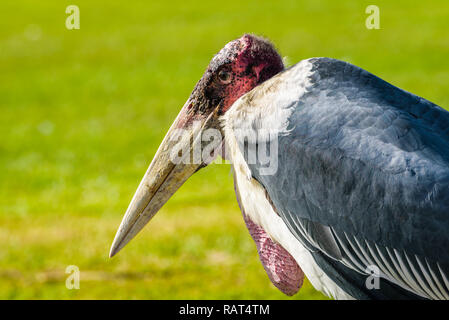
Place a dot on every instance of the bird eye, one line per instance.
(225, 76)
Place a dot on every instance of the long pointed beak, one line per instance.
(166, 173)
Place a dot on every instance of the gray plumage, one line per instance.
(363, 178)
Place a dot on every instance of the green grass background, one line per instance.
(83, 111)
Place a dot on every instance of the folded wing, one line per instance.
(363, 177)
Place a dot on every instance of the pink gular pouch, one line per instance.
(280, 266)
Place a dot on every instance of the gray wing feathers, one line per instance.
(363, 176)
(409, 272)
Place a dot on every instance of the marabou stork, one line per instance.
(361, 181)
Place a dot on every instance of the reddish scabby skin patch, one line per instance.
(256, 62)
(248, 61)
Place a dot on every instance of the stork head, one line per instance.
(239, 67)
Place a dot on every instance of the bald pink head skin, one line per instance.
(254, 60)
(240, 66)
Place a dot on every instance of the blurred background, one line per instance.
(82, 113)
